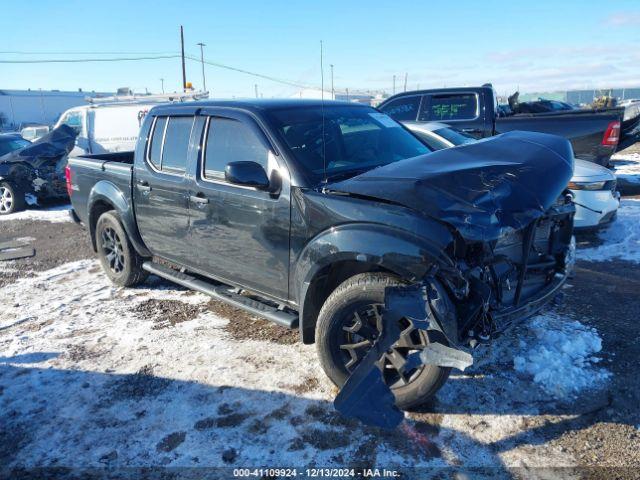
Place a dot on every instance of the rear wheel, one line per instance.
(11, 199)
(119, 260)
(349, 323)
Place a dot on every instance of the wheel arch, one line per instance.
(342, 252)
(106, 196)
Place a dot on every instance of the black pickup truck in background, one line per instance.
(305, 212)
(594, 134)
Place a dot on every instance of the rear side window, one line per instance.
(176, 144)
(403, 109)
(446, 107)
(170, 156)
(231, 141)
(155, 147)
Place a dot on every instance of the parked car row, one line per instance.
(114, 127)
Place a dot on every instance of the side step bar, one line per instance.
(225, 294)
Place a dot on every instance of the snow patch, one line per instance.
(57, 214)
(71, 344)
(621, 238)
(559, 355)
(627, 167)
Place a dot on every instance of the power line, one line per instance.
(254, 74)
(68, 52)
(88, 60)
(140, 58)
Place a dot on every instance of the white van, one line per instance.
(105, 128)
(113, 124)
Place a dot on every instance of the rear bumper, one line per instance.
(533, 305)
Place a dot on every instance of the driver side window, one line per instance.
(231, 141)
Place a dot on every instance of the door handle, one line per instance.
(471, 130)
(144, 186)
(199, 198)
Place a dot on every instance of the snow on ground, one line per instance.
(627, 166)
(560, 356)
(87, 380)
(621, 239)
(55, 214)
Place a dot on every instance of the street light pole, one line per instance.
(184, 71)
(162, 83)
(204, 83)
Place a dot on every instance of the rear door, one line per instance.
(161, 190)
(461, 110)
(240, 234)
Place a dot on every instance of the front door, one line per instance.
(239, 234)
(161, 190)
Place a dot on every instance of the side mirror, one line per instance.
(249, 174)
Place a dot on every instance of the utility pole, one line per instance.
(255, 87)
(204, 82)
(333, 92)
(405, 81)
(394, 84)
(184, 72)
(162, 83)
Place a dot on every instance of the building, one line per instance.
(583, 97)
(356, 97)
(22, 107)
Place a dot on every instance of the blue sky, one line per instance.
(536, 45)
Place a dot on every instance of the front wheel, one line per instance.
(348, 324)
(119, 260)
(11, 199)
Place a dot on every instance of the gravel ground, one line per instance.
(150, 362)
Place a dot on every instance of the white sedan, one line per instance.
(593, 186)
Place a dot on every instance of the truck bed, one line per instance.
(93, 173)
(584, 128)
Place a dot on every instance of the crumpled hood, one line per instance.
(480, 189)
(50, 148)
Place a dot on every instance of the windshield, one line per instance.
(455, 136)
(356, 139)
(8, 145)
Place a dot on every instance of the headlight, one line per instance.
(586, 185)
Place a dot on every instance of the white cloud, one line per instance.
(623, 19)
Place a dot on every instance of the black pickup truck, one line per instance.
(594, 134)
(304, 212)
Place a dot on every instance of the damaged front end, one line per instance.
(494, 285)
(513, 250)
(38, 169)
(514, 276)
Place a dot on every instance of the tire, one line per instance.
(11, 199)
(119, 260)
(361, 293)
